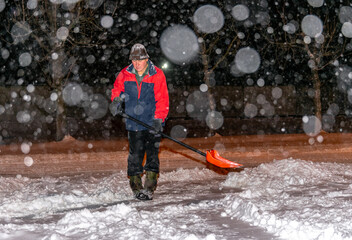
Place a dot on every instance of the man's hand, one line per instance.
(157, 125)
(116, 106)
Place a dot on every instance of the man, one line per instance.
(142, 87)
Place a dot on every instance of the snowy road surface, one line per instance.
(286, 199)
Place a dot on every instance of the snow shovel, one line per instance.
(212, 156)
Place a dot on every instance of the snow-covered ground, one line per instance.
(286, 199)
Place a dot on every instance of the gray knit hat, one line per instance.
(138, 52)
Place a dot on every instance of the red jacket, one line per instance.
(147, 101)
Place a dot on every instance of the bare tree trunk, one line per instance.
(61, 125)
(59, 69)
(316, 58)
(211, 99)
(317, 97)
(207, 74)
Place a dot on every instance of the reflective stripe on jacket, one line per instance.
(145, 101)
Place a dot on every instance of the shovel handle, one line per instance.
(125, 115)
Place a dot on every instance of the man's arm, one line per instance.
(118, 86)
(161, 96)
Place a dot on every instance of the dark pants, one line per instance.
(141, 143)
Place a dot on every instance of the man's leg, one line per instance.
(135, 160)
(152, 164)
(152, 150)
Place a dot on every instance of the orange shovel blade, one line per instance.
(214, 158)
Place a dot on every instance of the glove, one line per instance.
(116, 106)
(157, 126)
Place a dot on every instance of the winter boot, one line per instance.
(150, 184)
(144, 195)
(136, 184)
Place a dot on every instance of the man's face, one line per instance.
(140, 65)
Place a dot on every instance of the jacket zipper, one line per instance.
(139, 86)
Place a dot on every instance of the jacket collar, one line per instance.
(152, 69)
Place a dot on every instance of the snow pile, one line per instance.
(294, 199)
(184, 175)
